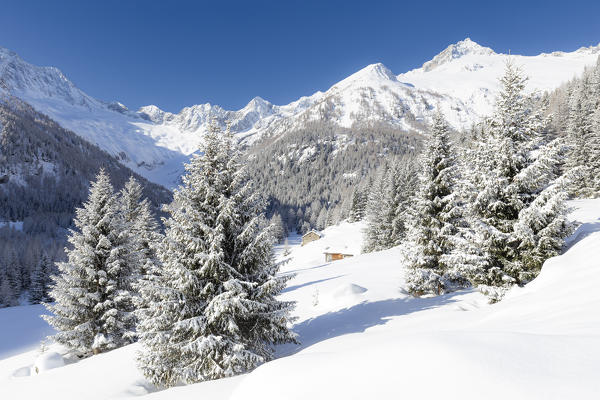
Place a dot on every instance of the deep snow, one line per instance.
(363, 337)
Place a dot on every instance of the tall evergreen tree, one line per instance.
(585, 145)
(401, 192)
(93, 308)
(137, 217)
(377, 213)
(437, 220)
(516, 166)
(215, 313)
(358, 205)
(41, 281)
(8, 297)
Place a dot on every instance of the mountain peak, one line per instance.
(457, 50)
(377, 70)
(369, 74)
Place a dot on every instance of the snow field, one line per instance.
(363, 337)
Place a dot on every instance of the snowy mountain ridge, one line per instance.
(457, 50)
(462, 80)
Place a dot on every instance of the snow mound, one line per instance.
(48, 360)
(348, 290)
(22, 372)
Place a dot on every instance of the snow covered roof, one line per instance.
(313, 231)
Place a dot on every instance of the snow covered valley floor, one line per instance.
(363, 337)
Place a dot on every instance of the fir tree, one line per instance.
(515, 168)
(215, 313)
(358, 206)
(8, 297)
(377, 213)
(93, 308)
(401, 192)
(437, 220)
(41, 281)
(137, 217)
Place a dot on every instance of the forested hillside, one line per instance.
(45, 172)
(312, 174)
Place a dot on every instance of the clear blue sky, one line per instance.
(179, 53)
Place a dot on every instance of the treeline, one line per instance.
(576, 111)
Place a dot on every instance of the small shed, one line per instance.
(311, 236)
(334, 256)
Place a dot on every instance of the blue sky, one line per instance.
(179, 53)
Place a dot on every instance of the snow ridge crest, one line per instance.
(457, 50)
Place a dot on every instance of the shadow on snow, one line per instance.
(357, 319)
(292, 288)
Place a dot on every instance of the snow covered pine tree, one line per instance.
(138, 219)
(93, 308)
(215, 314)
(388, 205)
(437, 221)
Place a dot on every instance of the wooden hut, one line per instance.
(334, 256)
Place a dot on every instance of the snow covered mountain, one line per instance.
(469, 72)
(462, 80)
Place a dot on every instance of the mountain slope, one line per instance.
(462, 80)
(46, 170)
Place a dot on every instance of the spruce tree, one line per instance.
(41, 281)
(403, 187)
(214, 313)
(8, 297)
(358, 205)
(437, 220)
(137, 218)
(517, 165)
(93, 297)
(377, 212)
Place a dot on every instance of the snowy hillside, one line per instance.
(363, 337)
(461, 80)
(469, 72)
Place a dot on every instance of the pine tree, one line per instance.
(358, 204)
(583, 146)
(322, 219)
(215, 314)
(401, 192)
(13, 273)
(437, 220)
(41, 281)
(377, 213)
(8, 297)
(515, 168)
(279, 231)
(137, 217)
(93, 308)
